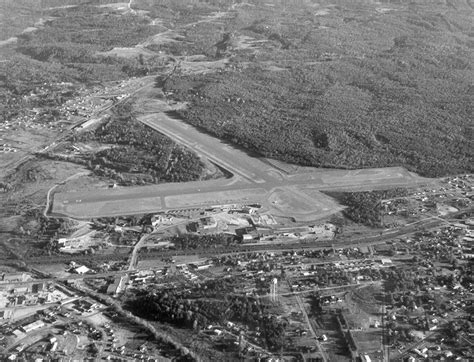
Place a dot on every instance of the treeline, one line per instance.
(365, 207)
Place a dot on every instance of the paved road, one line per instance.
(48, 195)
(136, 248)
(313, 333)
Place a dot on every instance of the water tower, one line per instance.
(274, 290)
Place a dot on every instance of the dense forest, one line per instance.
(134, 153)
(210, 303)
(193, 241)
(365, 207)
(74, 37)
(352, 88)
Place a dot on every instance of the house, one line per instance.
(247, 237)
(20, 290)
(201, 266)
(82, 270)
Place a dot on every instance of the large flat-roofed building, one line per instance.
(14, 278)
(33, 326)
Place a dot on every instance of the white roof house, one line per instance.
(82, 270)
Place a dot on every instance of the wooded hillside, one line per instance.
(346, 86)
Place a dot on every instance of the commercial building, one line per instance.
(33, 326)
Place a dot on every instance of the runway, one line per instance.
(296, 193)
